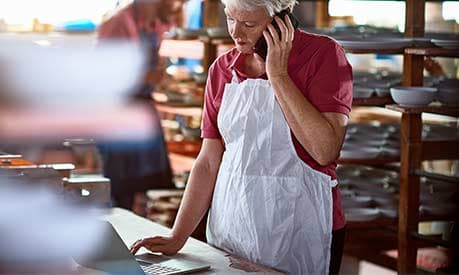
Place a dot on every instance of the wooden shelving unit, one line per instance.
(413, 151)
(403, 230)
(372, 101)
(371, 162)
(374, 51)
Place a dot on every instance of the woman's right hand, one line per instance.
(166, 245)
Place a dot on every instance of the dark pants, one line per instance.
(337, 248)
(123, 192)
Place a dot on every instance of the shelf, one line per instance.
(374, 51)
(372, 101)
(430, 239)
(435, 176)
(377, 223)
(440, 110)
(376, 161)
(193, 49)
(180, 163)
(188, 148)
(433, 52)
(184, 111)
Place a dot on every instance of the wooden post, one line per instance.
(410, 160)
(322, 16)
(414, 18)
(410, 146)
(413, 68)
(211, 13)
(210, 54)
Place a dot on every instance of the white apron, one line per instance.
(268, 205)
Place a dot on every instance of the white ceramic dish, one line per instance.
(413, 96)
(218, 32)
(377, 44)
(361, 214)
(390, 212)
(447, 44)
(359, 153)
(184, 33)
(362, 92)
(357, 201)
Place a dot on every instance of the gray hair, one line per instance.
(271, 6)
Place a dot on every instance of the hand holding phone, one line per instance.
(261, 47)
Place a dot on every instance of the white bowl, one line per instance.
(413, 96)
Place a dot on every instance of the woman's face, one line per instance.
(246, 27)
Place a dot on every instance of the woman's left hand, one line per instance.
(279, 47)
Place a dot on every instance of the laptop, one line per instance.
(114, 257)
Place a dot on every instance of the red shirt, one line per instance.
(319, 68)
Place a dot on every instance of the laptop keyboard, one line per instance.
(159, 269)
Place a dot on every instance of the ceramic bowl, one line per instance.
(413, 96)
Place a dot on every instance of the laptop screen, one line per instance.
(112, 256)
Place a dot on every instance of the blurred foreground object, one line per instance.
(52, 88)
(40, 233)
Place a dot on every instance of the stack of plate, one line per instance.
(362, 214)
(375, 43)
(367, 141)
(367, 84)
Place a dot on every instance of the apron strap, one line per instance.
(235, 79)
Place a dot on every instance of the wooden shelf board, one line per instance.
(372, 101)
(435, 176)
(430, 239)
(374, 51)
(193, 49)
(435, 109)
(184, 111)
(377, 161)
(189, 148)
(432, 52)
(180, 163)
(376, 223)
(429, 217)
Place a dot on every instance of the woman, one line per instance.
(136, 167)
(272, 133)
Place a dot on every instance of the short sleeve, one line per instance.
(330, 85)
(120, 26)
(209, 126)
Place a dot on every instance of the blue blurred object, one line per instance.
(82, 25)
(194, 20)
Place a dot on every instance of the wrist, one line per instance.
(179, 237)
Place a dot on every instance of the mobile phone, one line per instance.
(261, 47)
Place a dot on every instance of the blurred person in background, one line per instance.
(135, 168)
